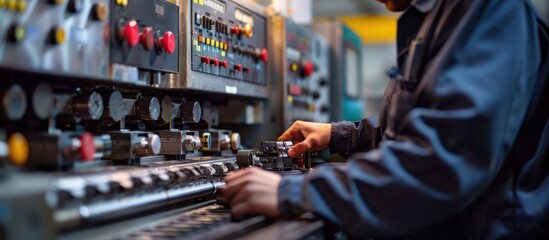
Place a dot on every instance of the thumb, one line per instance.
(299, 148)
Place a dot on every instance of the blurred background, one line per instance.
(377, 28)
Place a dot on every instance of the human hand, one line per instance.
(307, 136)
(252, 191)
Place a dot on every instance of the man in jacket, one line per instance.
(459, 149)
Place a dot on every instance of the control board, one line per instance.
(226, 48)
(345, 69)
(300, 75)
(226, 43)
(129, 41)
(60, 37)
(144, 37)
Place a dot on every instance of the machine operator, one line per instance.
(461, 146)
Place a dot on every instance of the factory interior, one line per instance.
(274, 119)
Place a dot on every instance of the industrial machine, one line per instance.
(346, 90)
(300, 77)
(120, 118)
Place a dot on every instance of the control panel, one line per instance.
(226, 48)
(144, 37)
(59, 37)
(300, 75)
(228, 41)
(346, 53)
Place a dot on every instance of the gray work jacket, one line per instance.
(460, 150)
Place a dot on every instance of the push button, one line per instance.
(17, 33)
(147, 39)
(205, 59)
(99, 11)
(130, 33)
(264, 55)
(167, 42)
(75, 6)
(87, 147)
(21, 6)
(58, 35)
(18, 149)
(122, 3)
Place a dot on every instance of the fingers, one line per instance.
(241, 209)
(300, 148)
(292, 134)
(233, 186)
(237, 174)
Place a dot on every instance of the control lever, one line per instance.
(273, 155)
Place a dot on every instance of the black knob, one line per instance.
(191, 112)
(75, 6)
(166, 110)
(323, 82)
(88, 106)
(316, 95)
(148, 108)
(324, 109)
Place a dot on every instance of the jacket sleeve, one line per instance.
(351, 137)
(444, 153)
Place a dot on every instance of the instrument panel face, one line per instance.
(229, 41)
(306, 75)
(145, 34)
(60, 37)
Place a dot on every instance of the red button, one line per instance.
(130, 32)
(264, 55)
(307, 69)
(235, 30)
(147, 38)
(215, 62)
(238, 67)
(225, 64)
(87, 148)
(167, 42)
(205, 59)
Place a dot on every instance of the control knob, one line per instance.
(148, 145)
(191, 112)
(115, 107)
(246, 30)
(235, 141)
(165, 110)
(191, 143)
(88, 106)
(148, 108)
(14, 103)
(42, 101)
